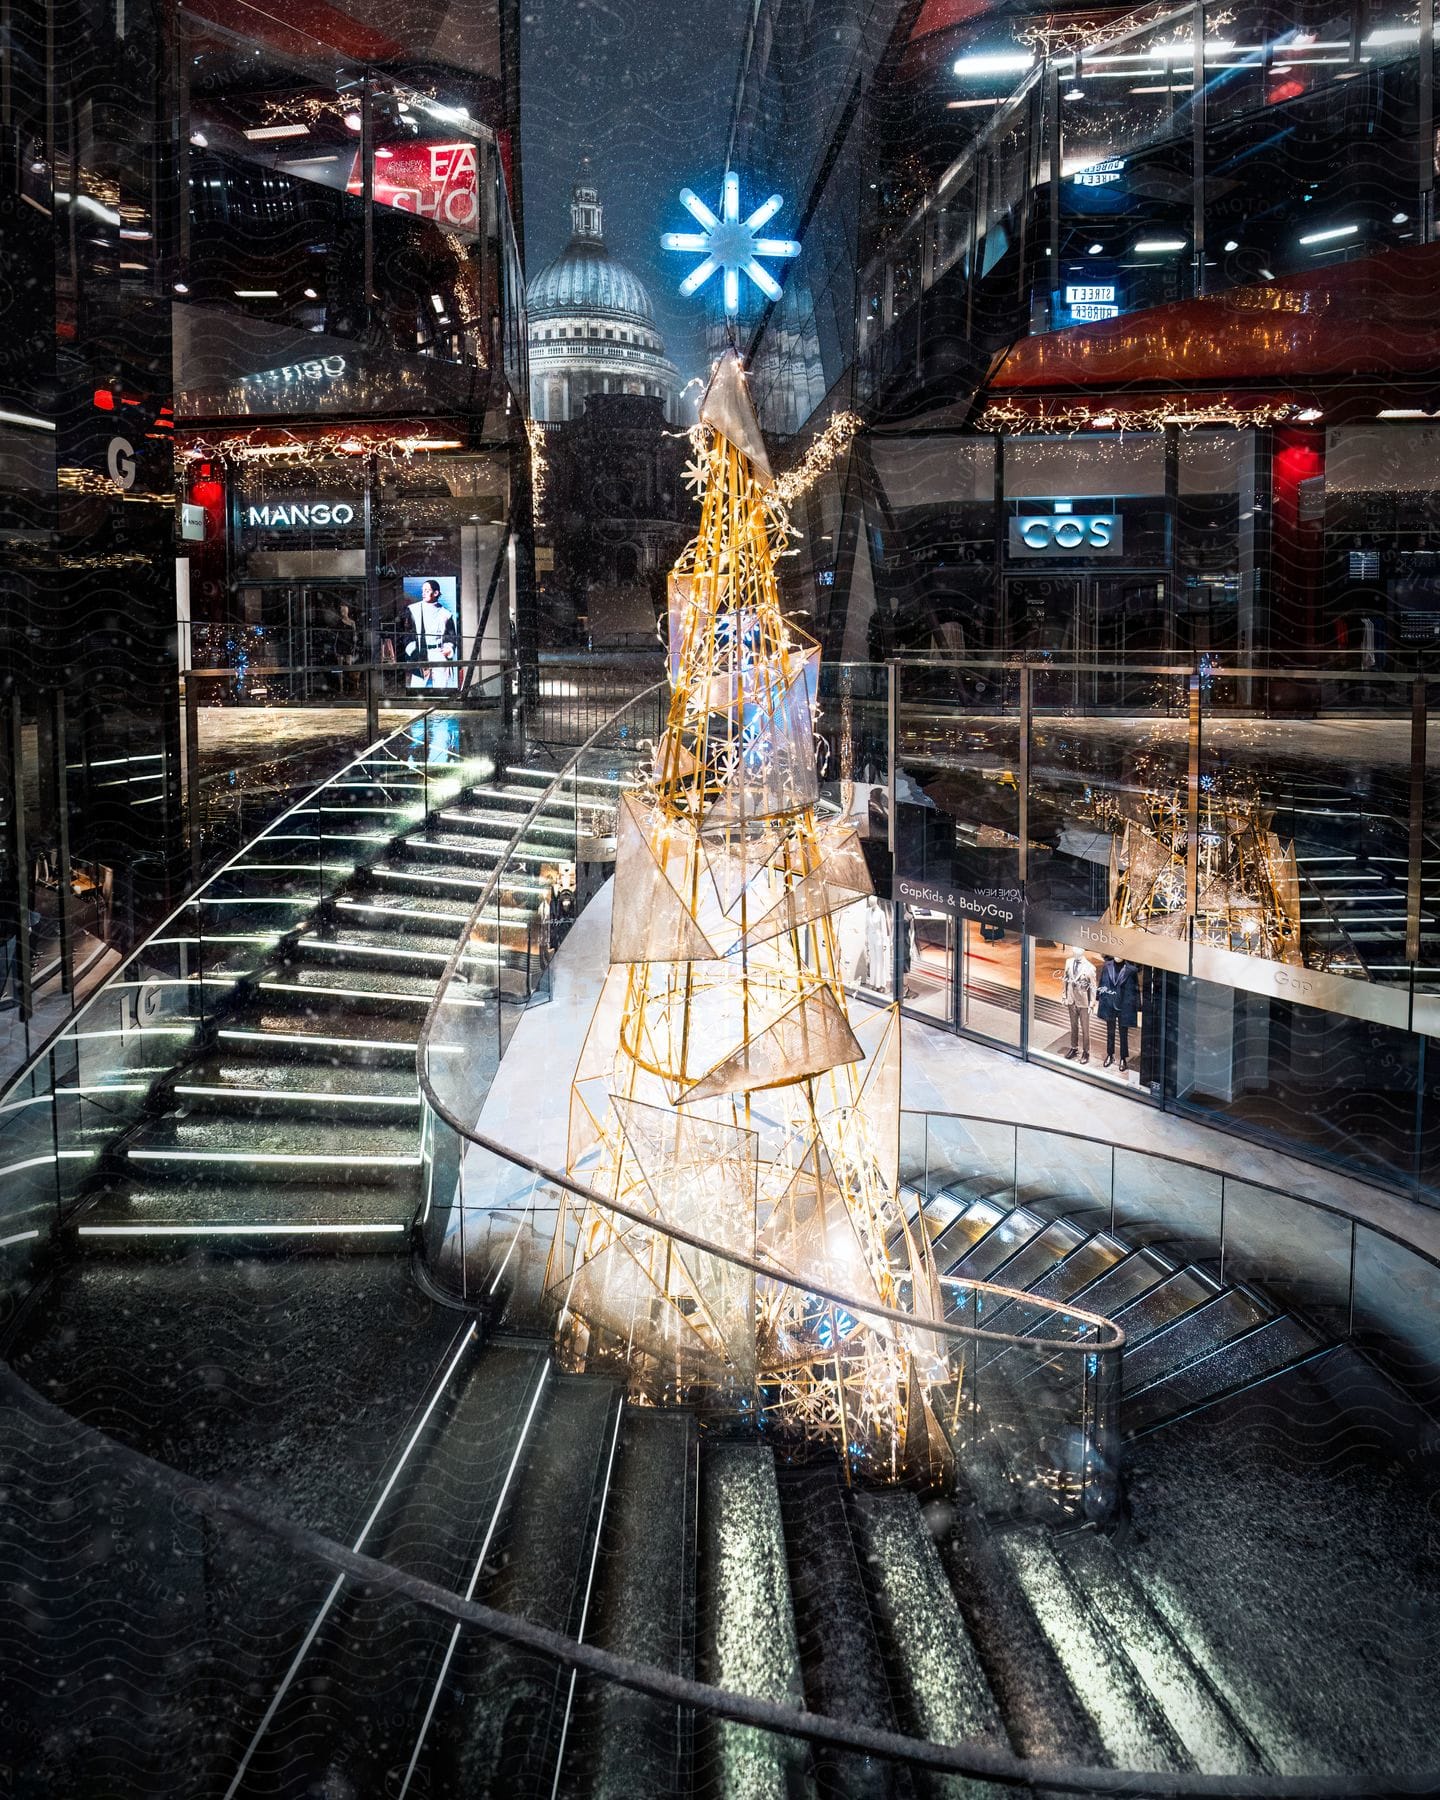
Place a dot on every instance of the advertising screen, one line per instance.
(429, 633)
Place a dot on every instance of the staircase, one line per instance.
(439, 1443)
(1190, 1337)
(295, 1116)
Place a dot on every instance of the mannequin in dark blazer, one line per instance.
(1118, 1004)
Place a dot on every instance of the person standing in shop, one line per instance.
(1119, 1006)
(1079, 1002)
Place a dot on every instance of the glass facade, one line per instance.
(1142, 509)
(265, 380)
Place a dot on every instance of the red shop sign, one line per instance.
(437, 181)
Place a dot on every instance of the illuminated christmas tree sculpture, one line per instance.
(723, 1089)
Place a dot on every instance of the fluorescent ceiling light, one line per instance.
(1158, 246)
(84, 203)
(28, 419)
(1167, 87)
(994, 62)
(258, 134)
(1181, 51)
(956, 106)
(1391, 34)
(1401, 412)
(257, 293)
(1329, 235)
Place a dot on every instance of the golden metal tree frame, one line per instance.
(723, 1088)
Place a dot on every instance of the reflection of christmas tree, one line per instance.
(722, 1089)
(1247, 890)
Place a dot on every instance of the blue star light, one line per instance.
(730, 243)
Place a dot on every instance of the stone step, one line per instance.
(1208, 1327)
(356, 1094)
(1123, 1714)
(1170, 1300)
(503, 1717)
(144, 1216)
(939, 1684)
(345, 1707)
(623, 1743)
(271, 1032)
(747, 1626)
(1042, 1715)
(1276, 1345)
(841, 1656)
(1195, 1713)
(271, 1152)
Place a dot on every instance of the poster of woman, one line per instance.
(429, 639)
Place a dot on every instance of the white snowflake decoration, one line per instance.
(730, 244)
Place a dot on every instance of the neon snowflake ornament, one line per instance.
(730, 244)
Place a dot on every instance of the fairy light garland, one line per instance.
(820, 457)
(313, 454)
(539, 468)
(1012, 416)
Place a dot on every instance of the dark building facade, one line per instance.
(1132, 312)
(263, 380)
(616, 514)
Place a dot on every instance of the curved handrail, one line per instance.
(1187, 1162)
(1111, 1336)
(72, 1019)
(235, 1507)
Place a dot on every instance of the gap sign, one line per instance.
(1067, 534)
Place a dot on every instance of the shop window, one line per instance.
(1340, 1087)
(867, 948)
(1090, 1010)
(927, 962)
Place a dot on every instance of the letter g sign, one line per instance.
(120, 463)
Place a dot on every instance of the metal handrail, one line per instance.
(234, 1507)
(194, 894)
(754, 1265)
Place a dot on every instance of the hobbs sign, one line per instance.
(302, 513)
(1067, 534)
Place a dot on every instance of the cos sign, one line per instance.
(1067, 534)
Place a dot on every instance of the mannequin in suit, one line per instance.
(1079, 985)
(1119, 1006)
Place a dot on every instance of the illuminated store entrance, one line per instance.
(315, 626)
(1045, 999)
(1083, 615)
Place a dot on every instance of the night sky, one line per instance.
(645, 86)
